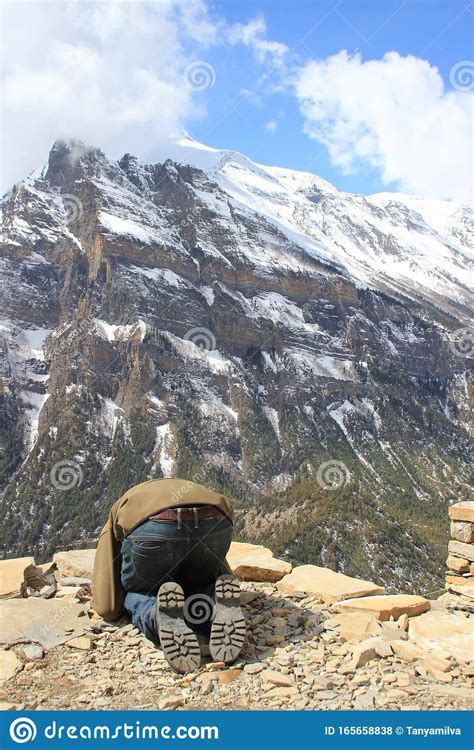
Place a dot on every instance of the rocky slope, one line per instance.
(301, 651)
(251, 328)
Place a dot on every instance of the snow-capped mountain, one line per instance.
(251, 327)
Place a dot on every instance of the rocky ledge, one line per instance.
(316, 640)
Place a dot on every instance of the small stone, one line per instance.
(168, 704)
(362, 653)
(10, 665)
(207, 688)
(277, 678)
(364, 702)
(281, 692)
(403, 679)
(274, 639)
(277, 622)
(426, 670)
(406, 651)
(326, 695)
(395, 694)
(403, 621)
(6, 706)
(253, 668)
(82, 642)
(229, 675)
(32, 651)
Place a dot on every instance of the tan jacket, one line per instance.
(135, 506)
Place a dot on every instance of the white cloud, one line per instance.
(252, 35)
(391, 114)
(107, 72)
(110, 73)
(271, 126)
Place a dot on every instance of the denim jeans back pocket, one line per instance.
(152, 560)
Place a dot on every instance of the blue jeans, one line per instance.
(158, 551)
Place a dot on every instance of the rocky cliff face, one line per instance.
(250, 328)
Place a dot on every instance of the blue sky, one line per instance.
(370, 95)
(438, 31)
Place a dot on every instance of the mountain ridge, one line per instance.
(187, 322)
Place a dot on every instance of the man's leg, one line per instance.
(213, 600)
(141, 608)
(151, 555)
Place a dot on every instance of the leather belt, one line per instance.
(177, 515)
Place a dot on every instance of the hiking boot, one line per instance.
(228, 626)
(180, 645)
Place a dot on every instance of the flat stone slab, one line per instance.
(77, 563)
(462, 531)
(331, 587)
(465, 588)
(354, 626)
(463, 511)
(384, 607)
(12, 575)
(41, 620)
(461, 550)
(252, 562)
(446, 633)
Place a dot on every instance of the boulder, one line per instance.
(252, 562)
(353, 626)
(310, 580)
(78, 563)
(10, 664)
(462, 531)
(13, 573)
(385, 607)
(446, 633)
(462, 511)
(43, 621)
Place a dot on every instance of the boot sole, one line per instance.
(228, 627)
(180, 645)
